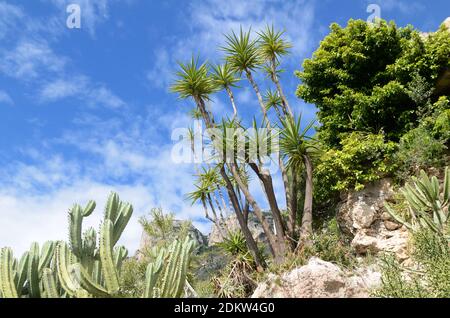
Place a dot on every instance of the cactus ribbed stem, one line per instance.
(106, 257)
(7, 286)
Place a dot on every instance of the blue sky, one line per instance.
(88, 111)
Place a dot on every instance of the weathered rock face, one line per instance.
(231, 223)
(319, 279)
(193, 232)
(362, 216)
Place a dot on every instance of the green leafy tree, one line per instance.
(359, 76)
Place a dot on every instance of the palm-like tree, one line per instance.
(273, 101)
(225, 78)
(272, 46)
(194, 82)
(298, 148)
(243, 55)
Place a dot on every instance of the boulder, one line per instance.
(362, 216)
(319, 279)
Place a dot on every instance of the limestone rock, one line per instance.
(193, 232)
(231, 223)
(362, 216)
(319, 279)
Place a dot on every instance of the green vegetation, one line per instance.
(431, 279)
(381, 113)
(82, 269)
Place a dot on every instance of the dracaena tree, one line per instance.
(246, 55)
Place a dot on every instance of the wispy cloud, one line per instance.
(209, 20)
(29, 59)
(81, 88)
(5, 98)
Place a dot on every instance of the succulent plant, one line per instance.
(428, 206)
(82, 269)
(31, 276)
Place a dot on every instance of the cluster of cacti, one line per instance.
(82, 269)
(32, 276)
(428, 206)
(166, 275)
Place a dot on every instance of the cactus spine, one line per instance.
(428, 207)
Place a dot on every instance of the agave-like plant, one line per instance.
(428, 206)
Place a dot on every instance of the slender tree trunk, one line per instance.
(273, 242)
(306, 229)
(293, 206)
(251, 243)
(287, 108)
(258, 95)
(266, 180)
(215, 219)
(230, 94)
(246, 211)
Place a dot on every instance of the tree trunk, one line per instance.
(230, 94)
(287, 108)
(251, 244)
(306, 229)
(266, 180)
(258, 95)
(273, 242)
(293, 206)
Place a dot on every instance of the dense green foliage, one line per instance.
(364, 158)
(359, 77)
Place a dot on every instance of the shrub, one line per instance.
(236, 279)
(418, 150)
(362, 158)
(356, 88)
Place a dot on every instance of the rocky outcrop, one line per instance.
(362, 216)
(319, 279)
(148, 241)
(231, 224)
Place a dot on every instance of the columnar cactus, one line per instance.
(428, 206)
(30, 276)
(173, 276)
(85, 269)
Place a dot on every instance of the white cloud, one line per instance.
(9, 15)
(405, 7)
(209, 20)
(5, 98)
(81, 88)
(30, 59)
(35, 197)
